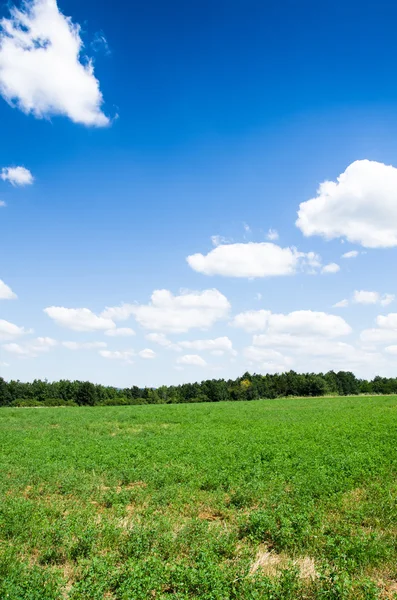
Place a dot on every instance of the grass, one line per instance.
(274, 499)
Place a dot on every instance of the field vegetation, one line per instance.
(274, 499)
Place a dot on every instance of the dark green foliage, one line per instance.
(247, 387)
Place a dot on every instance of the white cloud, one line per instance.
(32, 348)
(300, 322)
(258, 296)
(119, 313)
(42, 70)
(378, 336)
(84, 345)
(331, 268)
(360, 206)
(252, 259)
(366, 297)
(191, 359)
(2, 204)
(223, 344)
(252, 320)
(363, 297)
(17, 176)
(308, 322)
(162, 340)
(247, 228)
(178, 314)
(341, 303)
(120, 332)
(124, 356)
(391, 350)
(323, 353)
(217, 240)
(6, 292)
(270, 361)
(387, 299)
(387, 321)
(14, 348)
(351, 254)
(78, 319)
(272, 235)
(147, 353)
(300, 343)
(385, 333)
(100, 43)
(9, 331)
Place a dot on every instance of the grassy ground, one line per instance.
(275, 499)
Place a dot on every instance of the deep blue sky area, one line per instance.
(225, 117)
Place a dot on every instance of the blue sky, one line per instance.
(197, 128)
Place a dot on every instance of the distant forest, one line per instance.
(247, 387)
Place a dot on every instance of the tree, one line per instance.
(5, 396)
(86, 395)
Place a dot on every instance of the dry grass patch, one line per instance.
(272, 564)
(353, 498)
(388, 589)
(209, 514)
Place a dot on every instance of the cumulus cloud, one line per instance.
(341, 304)
(384, 333)
(387, 321)
(252, 320)
(367, 297)
(360, 206)
(2, 204)
(268, 360)
(300, 322)
(9, 331)
(191, 359)
(378, 336)
(178, 314)
(308, 344)
(391, 350)
(220, 344)
(162, 340)
(351, 254)
(272, 235)
(387, 299)
(331, 268)
(119, 313)
(42, 69)
(32, 348)
(289, 340)
(252, 259)
(78, 319)
(84, 345)
(124, 356)
(320, 350)
(17, 176)
(147, 353)
(217, 240)
(363, 297)
(6, 292)
(120, 332)
(308, 322)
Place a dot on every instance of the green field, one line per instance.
(274, 499)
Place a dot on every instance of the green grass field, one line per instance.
(274, 499)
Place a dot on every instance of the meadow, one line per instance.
(271, 499)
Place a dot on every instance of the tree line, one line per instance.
(247, 387)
